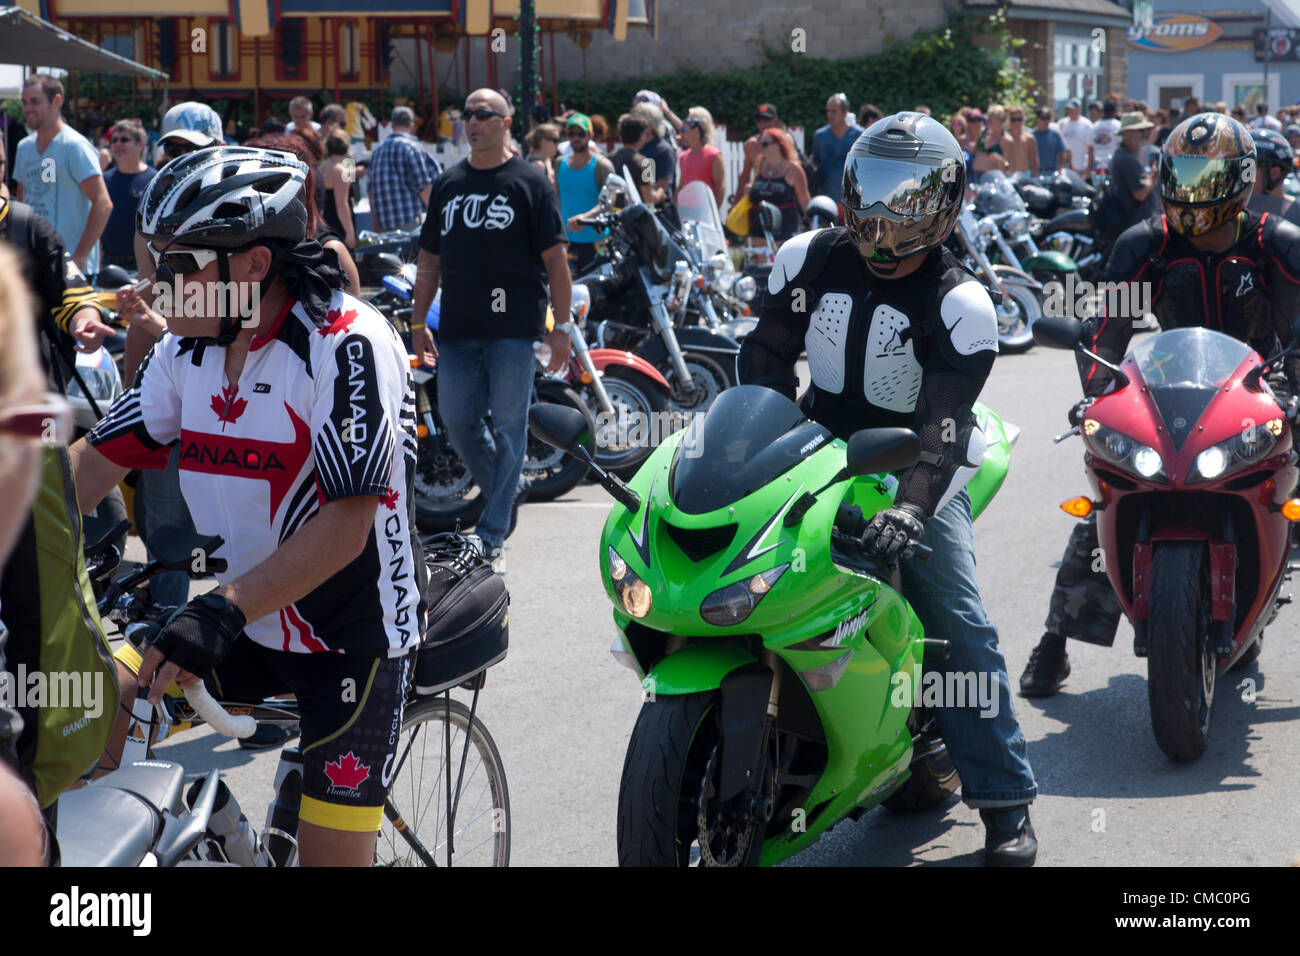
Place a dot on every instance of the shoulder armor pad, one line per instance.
(969, 316)
(803, 257)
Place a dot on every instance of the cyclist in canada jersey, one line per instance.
(294, 413)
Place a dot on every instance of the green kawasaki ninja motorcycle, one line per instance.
(778, 660)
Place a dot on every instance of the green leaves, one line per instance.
(947, 68)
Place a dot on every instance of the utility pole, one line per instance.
(1268, 49)
(528, 59)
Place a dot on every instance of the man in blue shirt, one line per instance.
(400, 176)
(1052, 151)
(58, 173)
(832, 143)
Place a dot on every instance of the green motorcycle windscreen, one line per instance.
(753, 436)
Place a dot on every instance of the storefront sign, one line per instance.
(1174, 33)
(1283, 45)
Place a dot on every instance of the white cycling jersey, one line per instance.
(319, 413)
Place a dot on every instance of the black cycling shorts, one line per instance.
(352, 708)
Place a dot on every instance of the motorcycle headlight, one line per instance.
(745, 288)
(1119, 449)
(1242, 449)
(735, 602)
(633, 593)
(988, 230)
(717, 265)
(1018, 225)
(581, 303)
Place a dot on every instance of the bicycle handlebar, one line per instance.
(221, 720)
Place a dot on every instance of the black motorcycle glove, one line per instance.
(895, 532)
(1080, 407)
(201, 635)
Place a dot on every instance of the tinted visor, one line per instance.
(899, 189)
(1194, 180)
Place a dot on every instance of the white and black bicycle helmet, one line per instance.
(904, 180)
(227, 197)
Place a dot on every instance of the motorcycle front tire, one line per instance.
(1181, 663)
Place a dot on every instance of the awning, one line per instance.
(27, 40)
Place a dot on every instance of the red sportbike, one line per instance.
(1191, 465)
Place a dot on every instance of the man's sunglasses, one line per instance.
(481, 114)
(49, 423)
(767, 142)
(573, 131)
(184, 262)
(173, 148)
(122, 139)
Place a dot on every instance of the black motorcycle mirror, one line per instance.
(1058, 331)
(1066, 332)
(874, 450)
(870, 451)
(566, 429)
(1252, 379)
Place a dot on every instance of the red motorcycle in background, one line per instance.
(1191, 465)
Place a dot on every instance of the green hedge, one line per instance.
(941, 68)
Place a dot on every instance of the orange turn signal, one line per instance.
(699, 282)
(1082, 507)
(1291, 510)
(586, 378)
(421, 431)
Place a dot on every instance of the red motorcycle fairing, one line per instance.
(601, 358)
(1236, 514)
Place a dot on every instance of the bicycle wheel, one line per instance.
(419, 792)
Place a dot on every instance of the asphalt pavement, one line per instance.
(561, 709)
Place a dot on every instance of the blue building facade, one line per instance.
(1225, 69)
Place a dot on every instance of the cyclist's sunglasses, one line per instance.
(49, 423)
(185, 262)
(481, 114)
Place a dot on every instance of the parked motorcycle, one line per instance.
(723, 296)
(1191, 467)
(997, 200)
(641, 286)
(1051, 193)
(1015, 292)
(769, 644)
(625, 393)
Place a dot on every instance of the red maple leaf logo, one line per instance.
(227, 406)
(349, 772)
(336, 321)
(389, 500)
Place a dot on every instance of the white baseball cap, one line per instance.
(195, 123)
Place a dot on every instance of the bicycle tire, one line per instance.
(419, 791)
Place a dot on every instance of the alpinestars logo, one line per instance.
(348, 773)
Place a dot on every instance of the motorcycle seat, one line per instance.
(105, 826)
(159, 782)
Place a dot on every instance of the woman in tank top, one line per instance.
(700, 160)
(780, 181)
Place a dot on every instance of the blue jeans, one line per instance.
(987, 745)
(477, 378)
(162, 504)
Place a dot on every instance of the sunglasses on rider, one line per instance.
(182, 261)
(481, 114)
(50, 422)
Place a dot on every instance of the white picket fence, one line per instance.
(733, 155)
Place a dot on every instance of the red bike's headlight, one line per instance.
(1240, 450)
(1119, 449)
